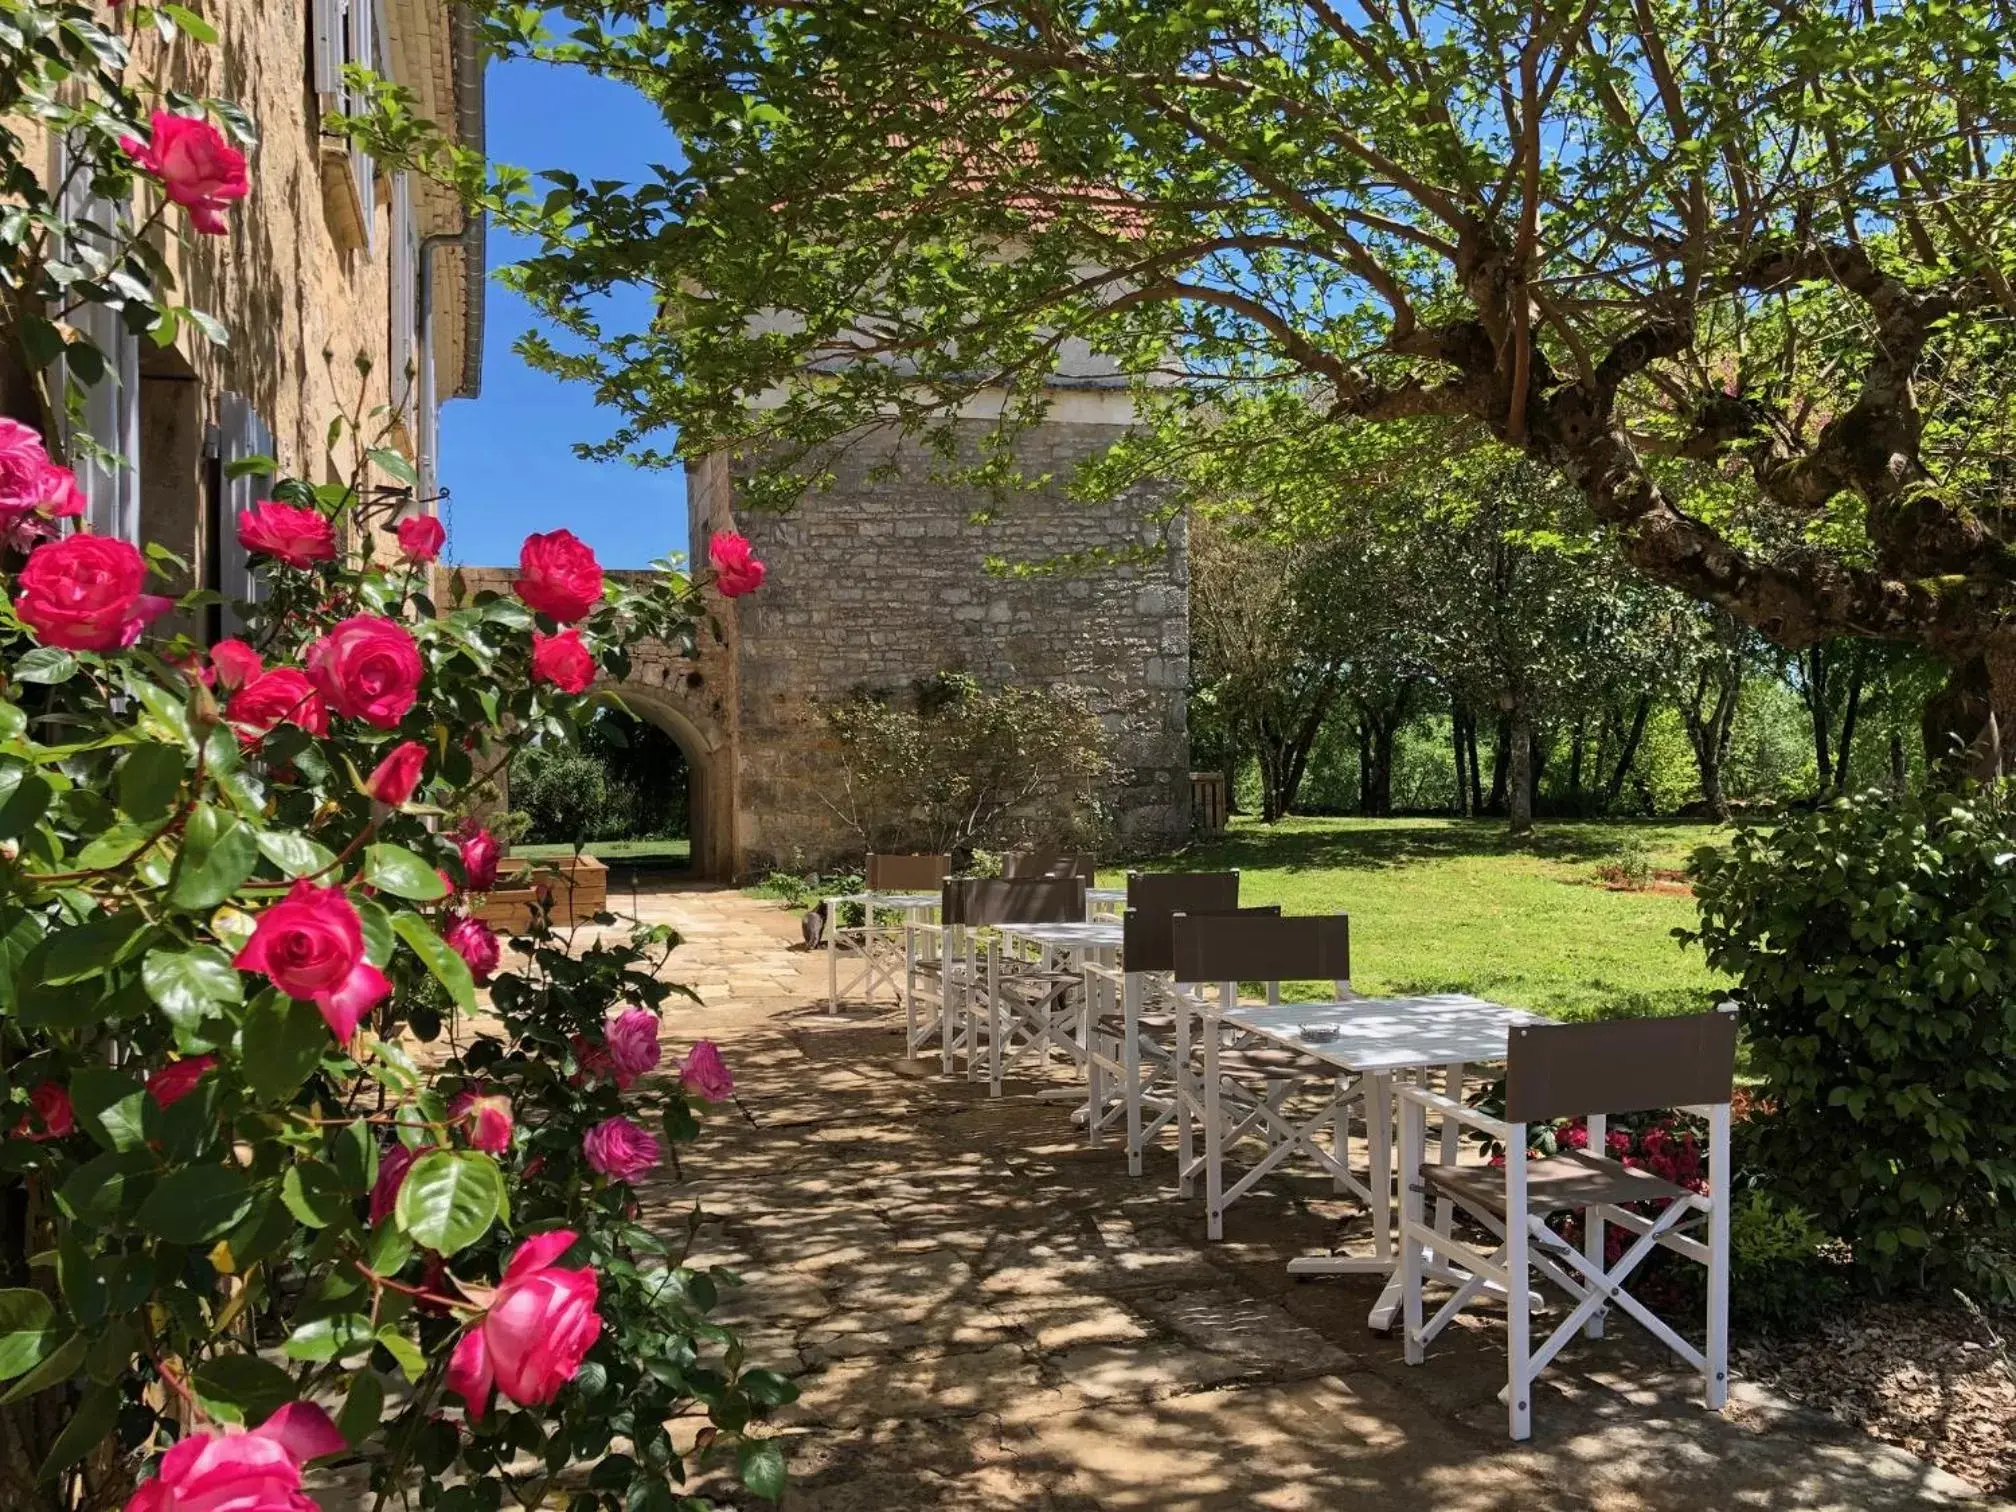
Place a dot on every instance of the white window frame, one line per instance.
(350, 31)
(111, 410)
(402, 382)
(241, 433)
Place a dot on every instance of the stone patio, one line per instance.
(982, 1312)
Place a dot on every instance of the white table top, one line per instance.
(888, 899)
(1391, 1034)
(1092, 935)
(1106, 895)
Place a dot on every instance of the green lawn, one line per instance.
(642, 853)
(1442, 905)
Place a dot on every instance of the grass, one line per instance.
(642, 854)
(1445, 905)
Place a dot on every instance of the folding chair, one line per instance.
(1285, 1102)
(1022, 866)
(986, 1003)
(879, 945)
(1566, 1071)
(1129, 1030)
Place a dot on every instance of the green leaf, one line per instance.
(219, 851)
(412, 1364)
(379, 940)
(296, 855)
(396, 870)
(191, 23)
(110, 1107)
(148, 780)
(59, 1367)
(191, 986)
(449, 969)
(26, 1338)
(329, 1338)
(46, 664)
(87, 950)
(391, 462)
(77, 1276)
(283, 1042)
(450, 1198)
(108, 1189)
(314, 1194)
(13, 722)
(241, 1387)
(22, 801)
(91, 1422)
(362, 1408)
(196, 1204)
(762, 1467)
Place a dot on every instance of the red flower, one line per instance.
(540, 1325)
(392, 1168)
(559, 576)
(199, 169)
(616, 1147)
(368, 668)
(705, 1074)
(298, 536)
(82, 593)
(169, 1084)
(236, 1471)
(562, 661)
(421, 537)
(311, 944)
(736, 569)
(489, 1119)
(282, 696)
(236, 663)
(475, 942)
(393, 779)
(49, 1114)
(34, 491)
(480, 852)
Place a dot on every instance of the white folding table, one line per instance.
(915, 907)
(1380, 1039)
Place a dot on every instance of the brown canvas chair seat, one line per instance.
(1572, 1179)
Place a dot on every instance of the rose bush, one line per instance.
(285, 1188)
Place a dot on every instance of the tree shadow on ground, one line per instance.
(1346, 845)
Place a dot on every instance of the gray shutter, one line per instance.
(329, 21)
(111, 409)
(241, 434)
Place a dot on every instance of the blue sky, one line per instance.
(507, 457)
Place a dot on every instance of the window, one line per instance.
(240, 434)
(401, 379)
(347, 32)
(110, 414)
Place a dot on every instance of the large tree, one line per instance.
(1769, 239)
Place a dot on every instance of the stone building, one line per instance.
(342, 286)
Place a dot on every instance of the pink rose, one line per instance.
(236, 663)
(489, 1118)
(200, 171)
(618, 1148)
(34, 491)
(83, 593)
(282, 696)
(49, 1114)
(705, 1074)
(540, 1324)
(559, 576)
(475, 942)
(480, 853)
(421, 537)
(562, 661)
(368, 668)
(236, 1471)
(736, 570)
(392, 1168)
(294, 534)
(632, 1038)
(393, 779)
(311, 944)
(592, 1056)
(169, 1084)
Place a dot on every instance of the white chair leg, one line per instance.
(1186, 1136)
(1130, 1056)
(1594, 1240)
(1717, 1352)
(1413, 1140)
(1379, 1162)
(1518, 1295)
(1214, 1138)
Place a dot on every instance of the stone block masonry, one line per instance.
(883, 579)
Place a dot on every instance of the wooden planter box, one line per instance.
(579, 886)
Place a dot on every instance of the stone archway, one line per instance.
(710, 779)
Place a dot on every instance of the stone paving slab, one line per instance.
(982, 1312)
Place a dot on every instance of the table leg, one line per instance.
(1130, 1061)
(832, 956)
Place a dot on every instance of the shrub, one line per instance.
(1780, 1278)
(1629, 865)
(1874, 943)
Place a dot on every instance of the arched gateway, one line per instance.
(883, 580)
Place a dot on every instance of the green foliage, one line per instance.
(1874, 946)
(565, 795)
(621, 780)
(1780, 1276)
(950, 765)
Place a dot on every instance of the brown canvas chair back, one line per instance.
(1153, 897)
(907, 873)
(1619, 1066)
(1242, 948)
(1019, 866)
(979, 901)
(1148, 940)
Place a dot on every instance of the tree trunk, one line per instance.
(1576, 742)
(1629, 753)
(1962, 735)
(1519, 776)
(1364, 766)
(1476, 772)
(1845, 750)
(1540, 745)
(1501, 766)
(1900, 767)
(1381, 790)
(1461, 805)
(1816, 707)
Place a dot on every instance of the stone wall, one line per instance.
(880, 581)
